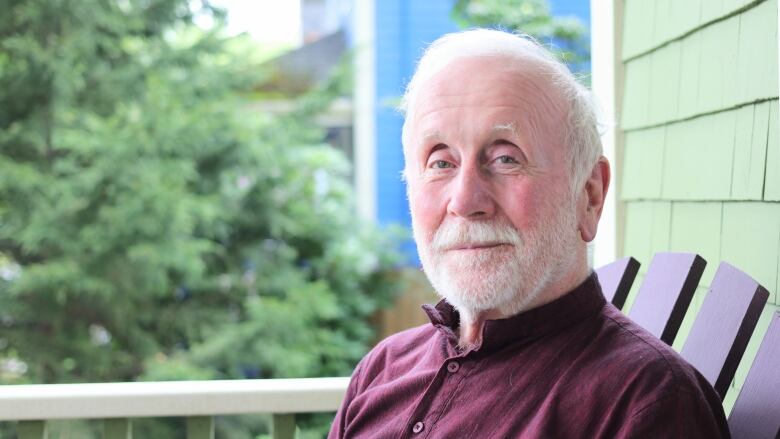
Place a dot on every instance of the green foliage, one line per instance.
(568, 35)
(153, 225)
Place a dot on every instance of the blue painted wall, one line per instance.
(578, 8)
(403, 29)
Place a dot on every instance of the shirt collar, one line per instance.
(575, 306)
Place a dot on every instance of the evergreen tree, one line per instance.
(567, 36)
(154, 226)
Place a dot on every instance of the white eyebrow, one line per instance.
(431, 135)
(509, 126)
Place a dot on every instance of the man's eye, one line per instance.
(441, 164)
(506, 160)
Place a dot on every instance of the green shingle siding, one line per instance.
(698, 158)
(772, 183)
(750, 144)
(643, 160)
(650, 24)
(636, 98)
(664, 84)
(647, 229)
(730, 155)
(663, 11)
(751, 238)
(724, 65)
(696, 228)
(638, 25)
(701, 150)
(690, 74)
(757, 71)
(747, 234)
(715, 149)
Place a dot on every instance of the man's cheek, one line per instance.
(428, 210)
(530, 205)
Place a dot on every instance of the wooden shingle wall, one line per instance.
(701, 157)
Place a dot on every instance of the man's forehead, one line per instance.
(500, 128)
(497, 80)
(514, 97)
(501, 68)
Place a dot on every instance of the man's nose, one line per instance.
(471, 197)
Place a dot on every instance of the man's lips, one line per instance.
(476, 246)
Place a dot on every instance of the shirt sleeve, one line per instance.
(339, 426)
(677, 415)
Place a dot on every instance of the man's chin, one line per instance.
(473, 291)
(476, 302)
(475, 284)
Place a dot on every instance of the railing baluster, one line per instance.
(32, 430)
(117, 428)
(284, 426)
(200, 427)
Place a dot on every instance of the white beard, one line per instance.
(505, 278)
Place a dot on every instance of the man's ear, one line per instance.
(592, 197)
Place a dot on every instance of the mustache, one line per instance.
(457, 234)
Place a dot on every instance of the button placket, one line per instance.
(437, 394)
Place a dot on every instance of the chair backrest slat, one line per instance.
(756, 412)
(616, 279)
(722, 329)
(666, 292)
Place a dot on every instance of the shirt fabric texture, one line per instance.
(573, 368)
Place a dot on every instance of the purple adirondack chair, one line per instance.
(723, 326)
(616, 279)
(666, 293)
(756, 412)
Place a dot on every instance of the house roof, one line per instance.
(296, 71)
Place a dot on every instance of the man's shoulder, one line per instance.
(659, 383)
(636, 360)
(625, 372)
(634, 345)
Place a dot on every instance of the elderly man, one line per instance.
(506, 184)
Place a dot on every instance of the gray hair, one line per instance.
(581, 131)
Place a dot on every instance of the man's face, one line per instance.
(489, 184)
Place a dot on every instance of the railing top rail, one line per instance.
(170, 398)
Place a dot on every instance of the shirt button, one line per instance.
(453, 367)
(418, 427)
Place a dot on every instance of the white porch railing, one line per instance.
(198, 401)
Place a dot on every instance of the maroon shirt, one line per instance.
(574, 368)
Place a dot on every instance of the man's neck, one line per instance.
(472, 324)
